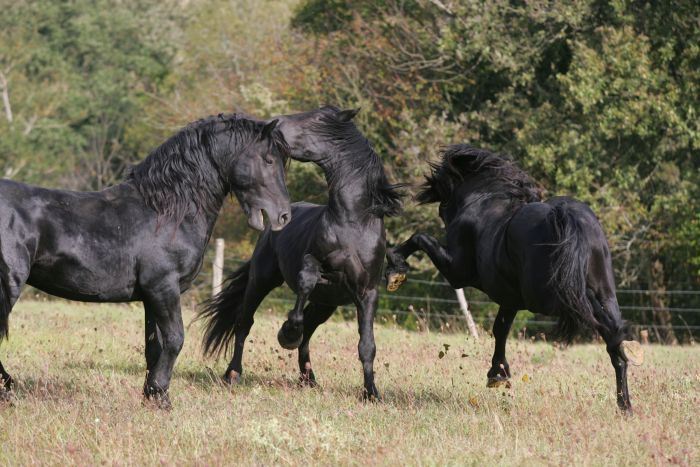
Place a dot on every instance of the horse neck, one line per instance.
(349, 196)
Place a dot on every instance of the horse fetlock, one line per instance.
(633, 352)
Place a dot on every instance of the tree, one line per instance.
(596, 99)
(76, 76)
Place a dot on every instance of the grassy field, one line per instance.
(80, 369)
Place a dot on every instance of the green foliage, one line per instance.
(596, 99)
(76, 76)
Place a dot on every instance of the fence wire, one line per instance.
(395, 305)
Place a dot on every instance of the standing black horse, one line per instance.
(142, 239)
(331, 255)
(549, 257)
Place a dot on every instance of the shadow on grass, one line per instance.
(59, 387)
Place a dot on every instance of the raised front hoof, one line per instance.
(394, 280)
(371, 395)
(498, 381)
(289, 336)
(633, 352)
(232, 378)
(156, 399)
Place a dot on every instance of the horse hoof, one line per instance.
(633, 352)
(232, 378)
(498, 381)
(158, 401)
(287, 343)
(371, 396)
(7, 397)
(394, 281)
(307, 380)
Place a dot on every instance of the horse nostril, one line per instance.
(284, 218)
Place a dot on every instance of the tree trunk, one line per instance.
(659, 302)
(6, 97)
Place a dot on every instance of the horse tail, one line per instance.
(5, 306)
(570, 260)
(221, 312)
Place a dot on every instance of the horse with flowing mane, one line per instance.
(549, 257)
(329, 255)
(142, 239)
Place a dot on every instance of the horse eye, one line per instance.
(268, 160)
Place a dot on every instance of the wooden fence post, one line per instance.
(217, 273)
(467, 314)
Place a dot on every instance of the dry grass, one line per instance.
(80, 370)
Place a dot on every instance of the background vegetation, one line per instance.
(596, 99)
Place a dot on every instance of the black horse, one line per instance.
(143, 239)
(549, 257)
(331, 255)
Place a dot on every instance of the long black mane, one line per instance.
(385, 198)
(497, 173)
(182, 176)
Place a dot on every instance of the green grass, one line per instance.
(80, 369)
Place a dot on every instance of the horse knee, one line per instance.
(367, 350)
(173, 341)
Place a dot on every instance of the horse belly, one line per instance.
(109, 281)
(331, 294)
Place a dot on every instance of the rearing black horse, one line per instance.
(329, 255)
(142, 239)
(549, 257)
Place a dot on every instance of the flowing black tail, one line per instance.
(5, 306)
(570, 260)
(220, 313)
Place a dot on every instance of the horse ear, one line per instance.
(347, 115)
(268, 129)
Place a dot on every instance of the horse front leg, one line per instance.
(291, 333)
(438, 254)
(366, 309)
(153, 339)
(164, 303)
(500, 371)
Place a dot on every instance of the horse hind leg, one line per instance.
(314, 315)
(259, 285)
(291, 333)
(499, 373)
(622, 352)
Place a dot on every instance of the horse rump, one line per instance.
(221, 312)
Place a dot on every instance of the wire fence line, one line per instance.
(397, 305)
